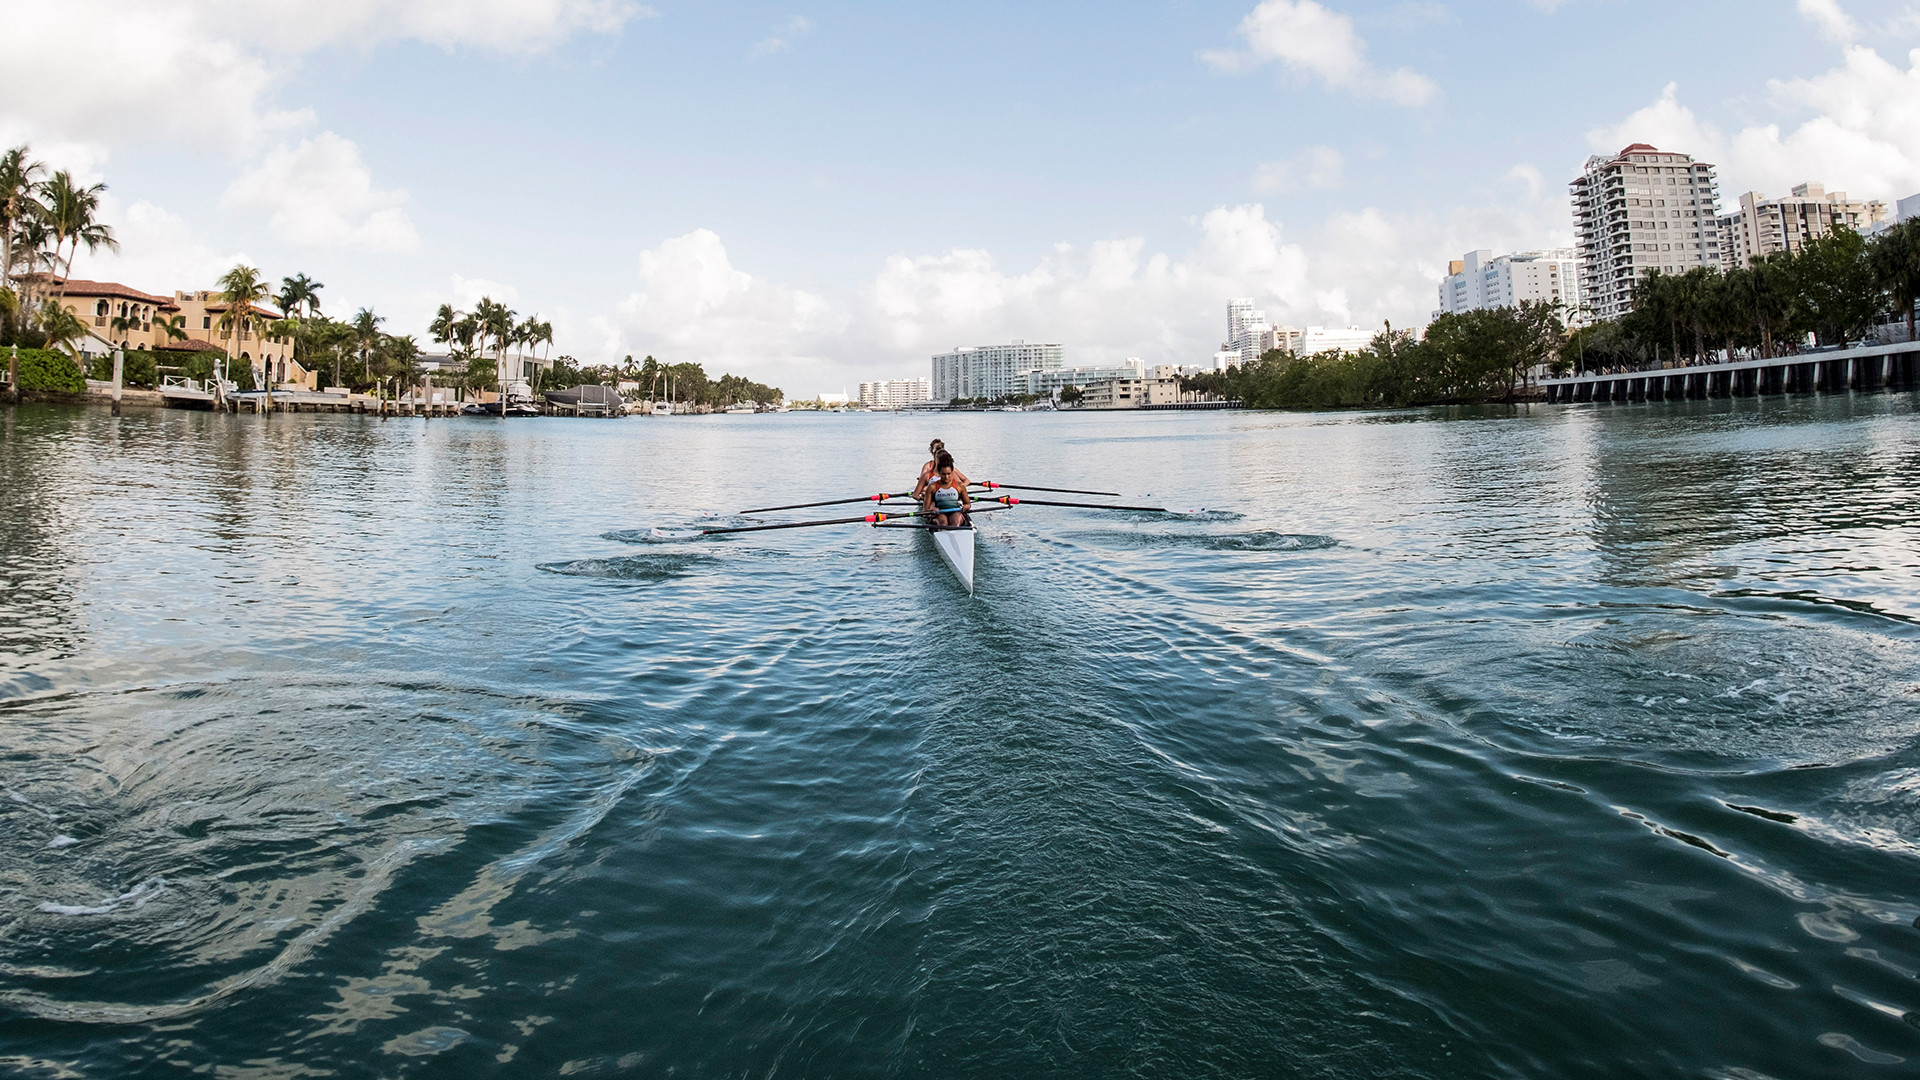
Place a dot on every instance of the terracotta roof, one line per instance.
(113, 289)
(1638, 147)
(268, 313)
(190, 345)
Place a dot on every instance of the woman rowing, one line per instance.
(930, 471)
(946, 499)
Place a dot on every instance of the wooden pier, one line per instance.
(1870, 367)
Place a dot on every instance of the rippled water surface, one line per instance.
(1580, 742)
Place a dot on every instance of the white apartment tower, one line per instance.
(1640, 210)
(990, 371)
(1478, 280)
(1249, 335)
(895, 393)
(1764, 226)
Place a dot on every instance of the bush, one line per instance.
(136, 370)
(46, 370)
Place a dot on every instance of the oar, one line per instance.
(869, 519)
(1057, 491)
(880, 498)
(1011, 501)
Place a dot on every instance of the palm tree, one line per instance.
(297, 293)
(240, 289)
(19, 178)
(174, 326)
(31, 241)
(63, 330)
(70, 211)
(442, 326)
(366, 332)
(1895, 259)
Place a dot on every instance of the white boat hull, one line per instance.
(956, 550)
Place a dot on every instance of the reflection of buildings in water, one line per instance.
(1677, 492)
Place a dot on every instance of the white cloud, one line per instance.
(319, 194)
(1833, 22)
(1314, 167)
(1312, 40)
(159, 251)
(1106, 300)
(1861, 133)
(203, 71)
(781, 40)
(692, 304)
(466, 291)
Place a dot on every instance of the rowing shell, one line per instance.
(956, 550)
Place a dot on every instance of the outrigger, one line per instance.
(955, 543)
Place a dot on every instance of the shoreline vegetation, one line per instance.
(47, 217)
(1838, 288)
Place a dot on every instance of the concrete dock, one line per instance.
(1870, 367)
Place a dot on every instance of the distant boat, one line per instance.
(743, 407)
(588, 398)
(661, 408)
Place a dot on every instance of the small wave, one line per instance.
(640, 568)
(1250, 541)
(651, 536)
(1209, 515)
(137, 896)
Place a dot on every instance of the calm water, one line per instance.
(1583, 742)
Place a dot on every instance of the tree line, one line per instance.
(1839, 288)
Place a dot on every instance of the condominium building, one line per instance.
(1319, 339)
(1764, 226)
(895, 393)
(1640, 210)
(1131, 393)
(1051, 381)
(1249, 335)
(989, 371)
(1478, 280)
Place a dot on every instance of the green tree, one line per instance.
(19, 180)
(240, 291)
(63, 331)
(1894, 258)
(1835, 294)
(71, 213)
(299, 297)
(366, 335)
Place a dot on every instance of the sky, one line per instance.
(814, 194)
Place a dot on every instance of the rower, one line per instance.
(947, 498)
(930, 471)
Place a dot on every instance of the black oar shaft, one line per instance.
(783, 525)
(882, 497)
(1058, 491)
(1090, 506)
(873, 519)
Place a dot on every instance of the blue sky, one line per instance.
(818, 193)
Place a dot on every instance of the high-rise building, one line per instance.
(1249, 334)
(1764, 226)
(895, 393)
(1640, 210)
(1478, 280)
(989, 371)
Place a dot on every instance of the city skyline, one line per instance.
(796, 195)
